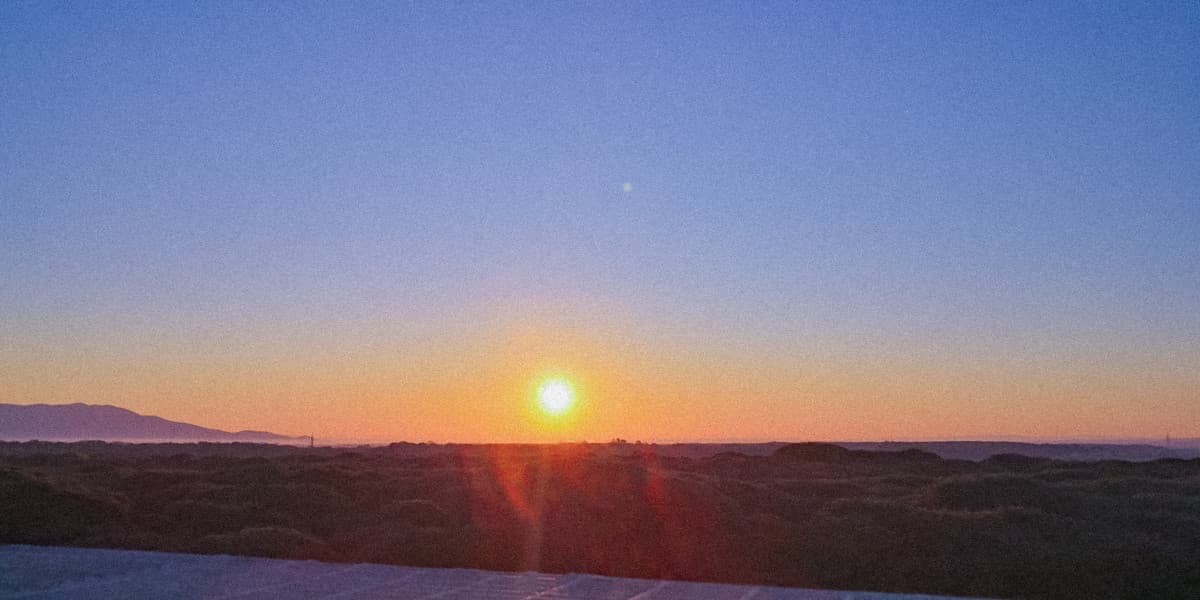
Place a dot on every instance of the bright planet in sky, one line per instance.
(556, 396)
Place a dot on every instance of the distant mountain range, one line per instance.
(69, 422)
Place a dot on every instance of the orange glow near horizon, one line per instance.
(630, 379)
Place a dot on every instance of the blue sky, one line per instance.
(974, 180)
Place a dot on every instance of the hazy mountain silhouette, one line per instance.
(104, 422)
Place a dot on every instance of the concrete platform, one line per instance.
(42, 573)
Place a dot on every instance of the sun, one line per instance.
(555, 396)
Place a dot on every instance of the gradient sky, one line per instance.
(742, 221)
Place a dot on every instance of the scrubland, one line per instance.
(812, 515)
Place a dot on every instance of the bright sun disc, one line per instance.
(555, 396)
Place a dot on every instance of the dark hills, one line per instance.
(980, 450)
(807, 515)
(958, 450)
(68, 422)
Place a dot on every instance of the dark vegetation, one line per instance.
(811, 515)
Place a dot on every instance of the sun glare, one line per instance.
(556, 396)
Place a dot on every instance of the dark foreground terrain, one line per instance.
(811, 515)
